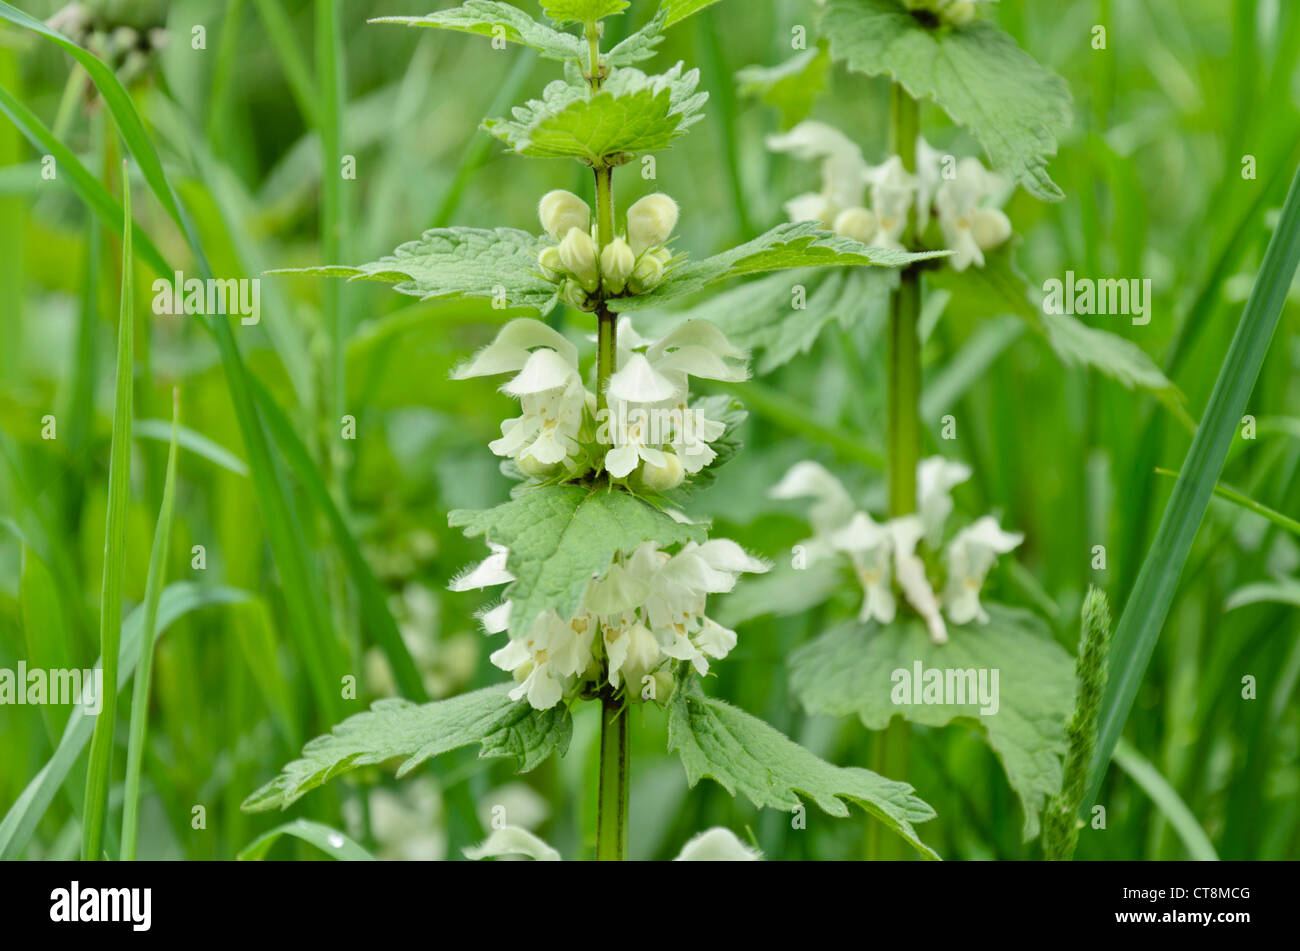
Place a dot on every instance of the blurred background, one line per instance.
(282, 91)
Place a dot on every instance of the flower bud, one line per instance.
(530, 466)
(561, 211)
(578, 257)
(647, 273)
(616, 264)
(650, 222)
(665, 477)
(573, 295)
(856, 223)
(989, 227)
(960, 12)
(549, 262)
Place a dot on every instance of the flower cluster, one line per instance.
(951, 12)
(632, 263)
(649, 435)
(645, 611)
(896, 550)
(961, 195)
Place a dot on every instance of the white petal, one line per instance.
(509, 351)
(544, 370)
(490, 571)
(717, 845)
(512, 840)
(638, 382)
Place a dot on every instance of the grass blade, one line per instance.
(110, 601)
(140, 694)
(195, 442)
(1249, 504)
(330, 841)
(177, 601)
(1148, 604)
(1167, 800)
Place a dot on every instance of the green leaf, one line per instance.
(1282, 591)
(562, 536)
(581, 11)
(417, 732)
(330, 841)
(975, 73)
(1250, 505)
(1001, 287)
(1153, 592)
(761, 315)
(139, 724)
(1167, 800)
(99, 774)
(638, 46)
(849, 670)
(632, 112)
(445, 262)
(800, 245)
(792, 86)
(745, 755)
(195, 442)
(177, 601)
(490, 18)
(679, 10)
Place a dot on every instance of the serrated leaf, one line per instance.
(792, 86)
(1001, 287)
(490, 18)
(561, 536)
(977, 74)
(581, 11)
(760, 315)
(849, 670)
(398, 728)
(445, 262)
(639, 45)
(632, 112)
(745, 755)
(787, 246)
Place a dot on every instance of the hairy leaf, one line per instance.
(679, 10)
(417, 732)
(851, 670)
(632, 112)
(745, 755)
(787, 246)
(444, 262)
(975, 73)
(561, 536)
(581, 11)
(490, 18)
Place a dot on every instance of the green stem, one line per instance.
(606, 346)
(893, 744)
(611, 815)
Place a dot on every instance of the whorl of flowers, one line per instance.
(872, 203)
(907, 554)
(647, 609)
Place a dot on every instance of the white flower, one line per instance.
(408, 823)
(907, 531)
(650, 222)
(694, 348)
(844, 171)
(489, 572)
(717, 845)
(549, 389)
(561, 212)
(935, 479)
(831, 511)
(512, 841)
(968, 228)
(971, 555)
(629, 432)
(713, 845)
(632, 651)
(892, 193)
(547, 661)
(870, 546)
